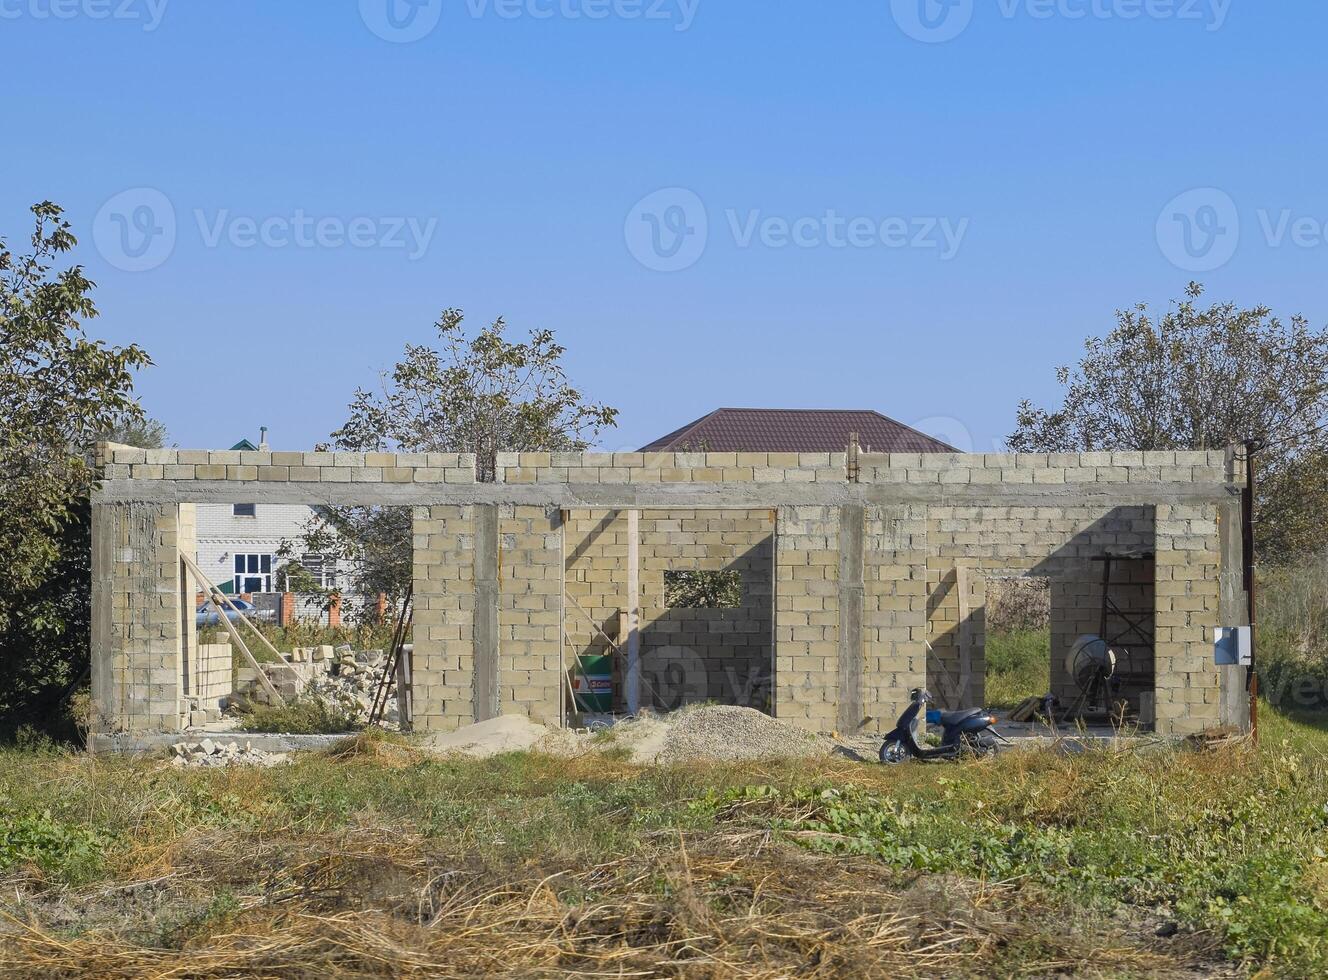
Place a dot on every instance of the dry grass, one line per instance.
(370, 860)
(374, 904)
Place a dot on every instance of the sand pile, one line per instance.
(510, 733)
(701, 733)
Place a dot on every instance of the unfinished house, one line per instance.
(830, 584)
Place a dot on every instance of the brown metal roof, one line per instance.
(795, 430)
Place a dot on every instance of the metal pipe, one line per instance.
(1252, 446)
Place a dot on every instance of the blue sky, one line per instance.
(712, 202)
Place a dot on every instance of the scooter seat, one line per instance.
(949, 719)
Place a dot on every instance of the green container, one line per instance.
(592, 683)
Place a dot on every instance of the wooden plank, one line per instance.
(235, 633)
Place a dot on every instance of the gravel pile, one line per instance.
(720, 732)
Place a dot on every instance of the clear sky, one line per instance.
(918, 206)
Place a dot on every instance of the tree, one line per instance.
(1205, 378)
(482, 394)
(59, 390)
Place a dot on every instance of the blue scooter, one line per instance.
(969, 732)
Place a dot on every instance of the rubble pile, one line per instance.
(208, 754)
(340, 676)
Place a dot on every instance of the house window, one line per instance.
(703, 590)
(323, 570)
(245, 510)
(253, 573)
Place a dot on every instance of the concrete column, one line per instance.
(486, 613)
(851, 703)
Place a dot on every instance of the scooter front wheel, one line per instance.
(893, 752)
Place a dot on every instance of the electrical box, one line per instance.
(1231, 645)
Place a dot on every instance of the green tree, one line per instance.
(59, 390)
(1205, 378)
(481, 394)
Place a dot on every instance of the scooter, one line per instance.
(967, 732)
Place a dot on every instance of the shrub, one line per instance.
(1293, 635)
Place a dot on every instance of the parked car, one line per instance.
(208, 614)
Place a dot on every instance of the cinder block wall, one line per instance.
(687, 655)
(213, 679)
(894, 613)
(859, 564)
(443, 673)
(530, 672)
(1056, 543)
(137, 643)
(807, 616)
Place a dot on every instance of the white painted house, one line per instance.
(238, 544)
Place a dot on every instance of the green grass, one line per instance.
(1231, 841)
(1018, 666)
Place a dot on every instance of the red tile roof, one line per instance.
(795, 430)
